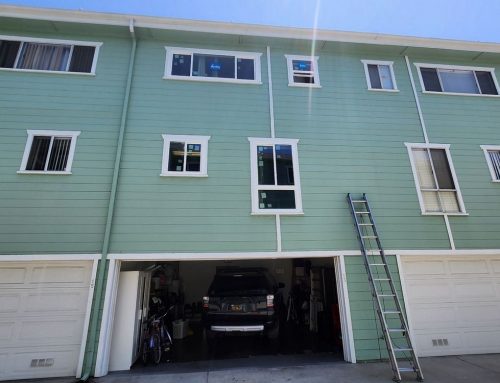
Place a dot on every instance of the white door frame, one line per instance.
(103, 350)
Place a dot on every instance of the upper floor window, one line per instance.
(49, 152)
(435, 179)
(275, 176)
(457, 79)
(380, 75)
(492, 154)
(33, 54)
(303, 71)
(211, 65)
(185, 155)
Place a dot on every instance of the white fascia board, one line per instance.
(242, 29)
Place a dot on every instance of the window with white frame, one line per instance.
(435, 179)
(49, 152)
(275, 176)
(492, 154)
(303, 71)
(34, 54)
(380, 75)
(185, 155)
(212, 65)
(457, 79)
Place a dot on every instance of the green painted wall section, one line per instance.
(368, 337)
(54, 213)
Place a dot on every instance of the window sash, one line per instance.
(197, 156)
(494, 156)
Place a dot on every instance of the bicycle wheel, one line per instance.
(145, 351)
(156, 349)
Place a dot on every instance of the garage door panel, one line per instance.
(54, 331)
(6, 331)
(9, 302)
(69, 302)
(60, 274)
(12, 275)
(456, 311)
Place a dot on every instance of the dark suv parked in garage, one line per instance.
(243, 300)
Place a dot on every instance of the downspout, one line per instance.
(111, 207)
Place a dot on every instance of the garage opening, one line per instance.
(225, 310)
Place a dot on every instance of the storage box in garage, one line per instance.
(180, 328)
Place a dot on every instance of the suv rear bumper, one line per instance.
(254, 328)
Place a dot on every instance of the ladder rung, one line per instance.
(377, 264)
(381, 279)
(396, 330)
(401, 349)
(391, 312)
(369, 236)
(365, 224)
(385, 295)
(359, 201)
(406, 369)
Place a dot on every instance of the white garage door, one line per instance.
(454, 304)
(42, 311)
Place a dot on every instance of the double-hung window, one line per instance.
(275, 176)
(492, 154)
(380, 75)
(49, 152)
(210, 65)
(47, 55)
(303, 71)
(185, 156)
(457, 79)
(435, 179)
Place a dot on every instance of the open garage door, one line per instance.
(454, 303)
(42, 313)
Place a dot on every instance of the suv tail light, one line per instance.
(270, 301)
(205, 302)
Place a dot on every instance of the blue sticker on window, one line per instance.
(215, 66)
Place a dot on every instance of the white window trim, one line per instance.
(446, 147)
(256, 210)
(50, 133)
(390, 64)
(487, 148)
(457, 67)
(72, 43)
(170, 51)
(314, 60)
(202, 140)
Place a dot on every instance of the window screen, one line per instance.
(49, 153)
(494, 156)
(44, 56)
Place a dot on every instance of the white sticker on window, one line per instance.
(262, 205)
(263, 195)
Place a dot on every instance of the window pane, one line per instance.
(424, 169)
(193, 157)
(458, 81)
(442, 169)
(276, 199)
(284, 164)
(8, 53)
(44, 57)
(449, 202)
(38, 153)
(176, 157)
(82, 59)
(213, 66)
(265, 165)
(486, 83)
(302, 65)
(181, 65)
(59, 154)
(374, 76)
(385, 76)
(431, 80)
(246, 69)
(431, 202)
(303, 79)
(495, 162)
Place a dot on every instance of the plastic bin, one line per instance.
(180, 328)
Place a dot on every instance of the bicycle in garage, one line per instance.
(157, 340)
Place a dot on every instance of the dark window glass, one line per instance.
(302, 65)
(284, 164)
(265, 165)
(82, 59)
(181, 65)
(246, 69)
(38, 153)
(237, 284)
(303, 79)
(8, 53)
(176, 157)
(431, 79)
(374, 76)
(495, 162)
(276, 199)
(193, 157)
(486, 83)
(442, 169)
(213, 66)
(59, 154)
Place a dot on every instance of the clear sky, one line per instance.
(475, 20)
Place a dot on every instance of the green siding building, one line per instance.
(135, 141)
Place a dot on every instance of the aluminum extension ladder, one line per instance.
(389, 310)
